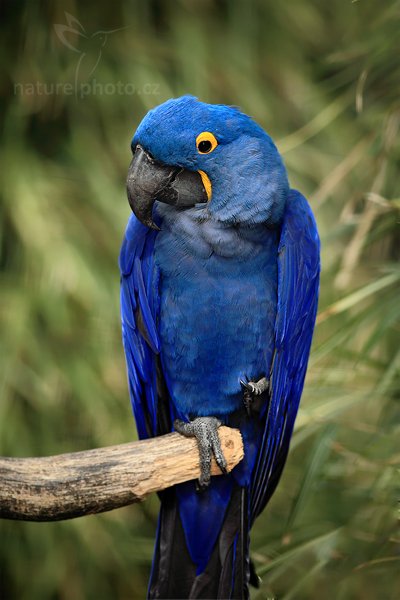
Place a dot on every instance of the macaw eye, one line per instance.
(206, 142)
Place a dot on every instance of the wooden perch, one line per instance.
(80, 483)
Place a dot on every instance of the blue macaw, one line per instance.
(219, 289)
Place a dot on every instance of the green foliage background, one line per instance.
(324, 79)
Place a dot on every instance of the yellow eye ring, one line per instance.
(206, 142)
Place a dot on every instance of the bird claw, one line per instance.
(251, 389)
(205, 430)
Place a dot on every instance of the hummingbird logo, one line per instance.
(89, 46)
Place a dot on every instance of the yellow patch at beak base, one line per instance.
(207, 184)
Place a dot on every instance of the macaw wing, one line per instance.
(298, 283)
(139, 311)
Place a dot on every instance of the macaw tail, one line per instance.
(227, 573)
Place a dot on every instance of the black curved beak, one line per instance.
(149, 180)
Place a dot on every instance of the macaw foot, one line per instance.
(252, 389)
(205, 430)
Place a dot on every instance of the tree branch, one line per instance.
(81, 483)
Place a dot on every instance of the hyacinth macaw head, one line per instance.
(188, 153)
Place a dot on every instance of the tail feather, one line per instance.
(227, 573)
(173, 571)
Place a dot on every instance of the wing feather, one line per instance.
(298, 284)
(139, 313)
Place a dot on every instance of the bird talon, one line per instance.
(252, 389)
(205, 430)
(223, 469)
(221, 462)
(244, 384)
(201, 485)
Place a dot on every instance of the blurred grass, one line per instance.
(324, 80)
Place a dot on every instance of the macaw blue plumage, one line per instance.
(219, 293)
